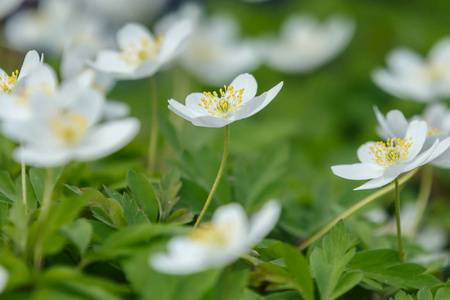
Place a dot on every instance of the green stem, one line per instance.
(153, 146)
(24, 181)
(42, 220)
(424, 196)
(397, 216)
(355, 208)
(219, 175)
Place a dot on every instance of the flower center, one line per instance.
(391, 152)
(230, 100)
(134, 54)
(212, 235)
(69, 127)
(432, 131)
(7, 82)
(432, 73)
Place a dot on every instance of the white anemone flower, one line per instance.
(383, 162)
(409, 76)
(305, 44)
(65, 128)
(141, 53)
(4, 277)
(437, 116)
(229, 235)
(216, 52)
(235, 102)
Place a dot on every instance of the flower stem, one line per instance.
(24, 181)
(355, 208)
(397, 216)
(42, 220)
(219, 175)
(424, 196)
(153, 146)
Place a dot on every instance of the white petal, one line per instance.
(404, 61)
(87, 102)
(30, 63)
(176, 107)
(363, 153)
(210, 121)
(440, 149)
(193, 100)
(263, 221)
(441, 51)
(417, 131)
(42, 156)
(115, 110)
(234, 218)
(387, 133)
(256, 104)
(248, 83)
(397, 123)
(422, 158)
(133, 34)
(359, 171)
(109, 62)
(106, 139)
(375, 183)
(174, 40)
(146, 69)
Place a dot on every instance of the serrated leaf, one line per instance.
(116, 213)
(346, 283)
(424, 294)
(402, 296)
(132, 212)
(144, 194)
(298, 266)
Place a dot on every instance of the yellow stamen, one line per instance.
(210, 234)
(7, 82)
(391, 152)
(69, 127)
(134, 54)
(230, 100)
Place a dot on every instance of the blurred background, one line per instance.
(321, 116)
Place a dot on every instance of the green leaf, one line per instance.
(116, 213)
(424, 294)
(31, 196)
(402, 296)
(166, 192)
(144, 195)
(346, 283)
(133, 213)
(169, 131)
(231, 285)
(38, 177)
(79, 232)
(6, 186)
(443, 294)
(181, 216)
(297, 265)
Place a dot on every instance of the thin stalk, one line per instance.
(153, 146)
(42, 220)
(355, 208)
(24, 181)
(219, 175)
(397, 217)
(423, 198)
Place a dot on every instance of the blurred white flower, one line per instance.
(395, 125)
(235, 102)
(383, 162)
(141, 54)
(64, 128)
(409, 76)
(4, 277)
(229, 235)
(8, 6)
(54, 24)
(305, 44)
(216, 53)
(119, 12)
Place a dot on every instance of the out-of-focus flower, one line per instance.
(216, 53)
(229, 235)
(141, 54)
(395, 125)
(409, 76)
(8, 6)
(64, 128)
(235, 102)
(4, 277)
(383, 162)
(30, 63)
(305, 45)
(119, 12)
(54, 24)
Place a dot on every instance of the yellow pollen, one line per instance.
(210, 234)
(69, 127)
(230, 100)
(135, 54)
(391, 152)
(433, 132)
(7, 82)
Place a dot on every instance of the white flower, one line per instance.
(235, 102)
(216, 53)
(383, 162)
(305, 45)
(8, 6)
(395, 125)
(229, 235)
(64, 128)
(409, 76)
(141, 54)
(4, 277)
